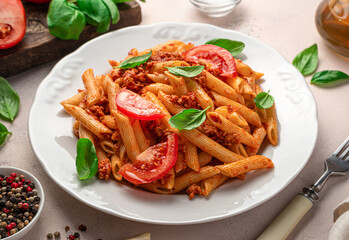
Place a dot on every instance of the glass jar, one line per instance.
(332, 22)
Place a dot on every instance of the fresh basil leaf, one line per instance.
(188, 119)
(86, 159)
(234, 47)
(190, 71)
(3, 134)
(97, 14)
(264, 100)
(9, 101)
(114, 11)
(65, 20)
(134, 61)
(328, 76)
(306, 61)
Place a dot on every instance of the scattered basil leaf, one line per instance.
(134, 61)
(64, 20)
(97, 14)
(188, 119)
(264, 100)
(306, 61)
(3, 134)
(186, 71)
(9, 101)
(86, 159)
(234, 47)
(328, 76)
(114, 11)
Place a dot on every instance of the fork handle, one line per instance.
(288, 219)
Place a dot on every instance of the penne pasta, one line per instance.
(211, 183)
(191, 156)
(92, 93)
(202, 97)
(177, 83)
(208, 145)
(127, 135)
(235, 169)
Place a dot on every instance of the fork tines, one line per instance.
(343, 150)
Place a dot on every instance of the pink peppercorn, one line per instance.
(71, 237)
(5, 210)
(20, 184)
(9, 180)
(25, 206)
(29, 189)
(1, 179)
(13, 175)
(22, 180)
(14, 185)
(9, 227)
(13, 224)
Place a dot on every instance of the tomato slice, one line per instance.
(152, 164)
(133, 105)
(215, 58)
(12, 23)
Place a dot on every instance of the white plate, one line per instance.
(50, 129)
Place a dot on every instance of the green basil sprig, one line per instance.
(186, 71)
(134, 61)
(188, 119)
(264, 100)
(234, 47)
(65, 20)
(86, 159)
(306, 61)
(3, 133)
(9, 101)
(97, 14)
(328, 76)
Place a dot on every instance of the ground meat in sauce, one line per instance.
(186, 101)
(104, 169)
(100, 109)
(192, 190)
(221, 137)
(201, 79)
(166, 56)
(159, 130)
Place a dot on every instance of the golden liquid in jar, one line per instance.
(332, 22)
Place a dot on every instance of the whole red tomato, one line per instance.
(39, 1)
(12, 23)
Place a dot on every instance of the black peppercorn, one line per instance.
(76, 235)
(32, 185)
(37, 199)
(82, 228)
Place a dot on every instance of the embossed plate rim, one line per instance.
(132, 215)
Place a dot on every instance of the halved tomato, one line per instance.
(153, 163)
(215, 58)
(133, 105)
(12, 23)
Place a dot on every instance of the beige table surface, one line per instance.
(287, 26)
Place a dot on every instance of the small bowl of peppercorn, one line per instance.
(21, 202)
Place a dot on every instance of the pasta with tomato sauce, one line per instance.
(126, 115)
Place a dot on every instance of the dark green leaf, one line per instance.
(86, 159)
(9, 101)
(190, 71)
(64, 20)
(234, 47)
(3, 134)
(97, 14)
(135, 61)
(328, 76)
(306, 61)
(264, 100)
(188, 119)
(113, 9)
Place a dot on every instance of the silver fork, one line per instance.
(286, 221)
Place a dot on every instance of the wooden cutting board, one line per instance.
(39, 46)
